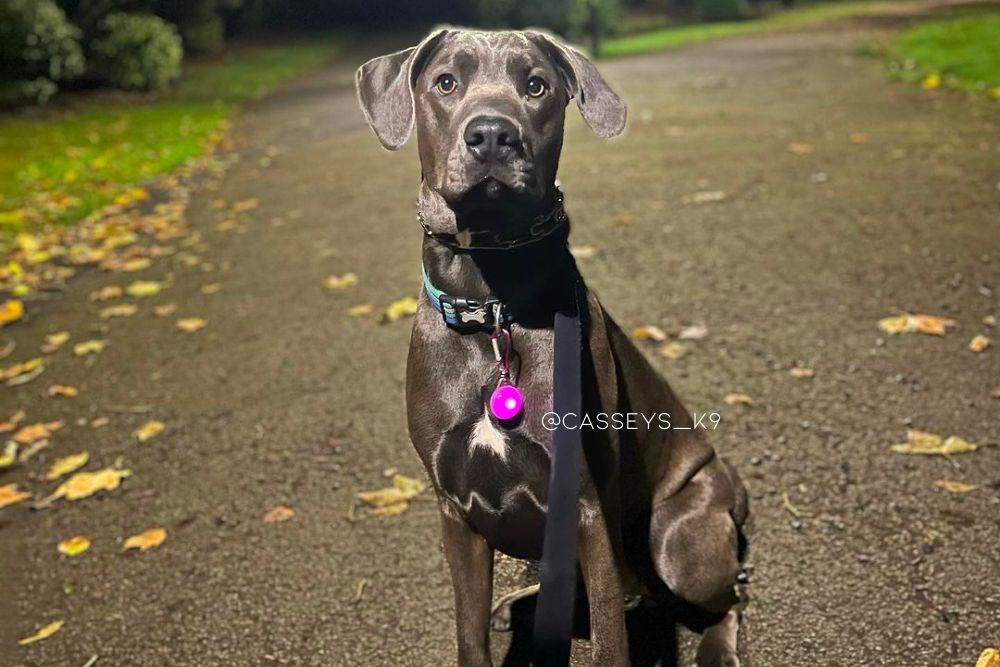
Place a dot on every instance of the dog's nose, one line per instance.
(491, 139)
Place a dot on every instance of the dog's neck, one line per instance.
(532, 280)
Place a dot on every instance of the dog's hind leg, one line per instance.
(470, 560)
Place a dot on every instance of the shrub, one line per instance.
(38, 48)
(575, 19)
(722, 10)
(135, 51)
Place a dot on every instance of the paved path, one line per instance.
(283, 399)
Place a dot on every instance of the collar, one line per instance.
(466, 314)
(540, 227)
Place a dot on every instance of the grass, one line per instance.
(961, 51)
(673, 37)
(67, 163)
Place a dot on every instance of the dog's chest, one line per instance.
(498, 480)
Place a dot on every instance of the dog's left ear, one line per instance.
(385, 90)
(603, 110)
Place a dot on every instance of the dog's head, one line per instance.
(489, 109)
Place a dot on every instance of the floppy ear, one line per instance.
(385, 90)
(603, 110)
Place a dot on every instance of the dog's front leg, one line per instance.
(608, 639)
(470, 560)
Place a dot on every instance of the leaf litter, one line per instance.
(393, 500)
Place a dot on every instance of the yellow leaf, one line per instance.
(211, 288)
(990, 657)
(279, 514)
(44, 633)
(360, 309)
(622, 220)
(84, 484)
(673, 350)
(704, 197)
(10, 495)
(145, 540)
(800, 372)
(74, 546)
(979, 343)
(148, 431)
(29, 434)
(63, 390)
(799, 148)
(142, 288)
(737, 399)
(400, 308)
(166, 310)
(858, 137)
(88, 347)
(341, 282)
(66, 465)
(120, 310)
(22, 368)
(136, 264)
(954, 487)
(225, 226)
(9, 455)
(921, 442)
(931, 82)
(245, 205)
(11, 311)
(54, 341)
(408, 486)
(649, 332)
(190, 324)
(12, 422)
(106, 293)
(909, 323)
(393, 500)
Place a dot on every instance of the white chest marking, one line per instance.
(486, 435)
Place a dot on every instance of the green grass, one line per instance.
(62, 166)
(669, 38)
(961, 51)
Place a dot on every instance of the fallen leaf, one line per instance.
(922, 442)
(704, 197)
(148, 431)
(394, 499)
(990, 657)
(673, 350)
(954, 487)
(106, 293)
(909, 323)
(341, 282)
(931, 82)
(136, 264)
(979, 343)
(693, 332)
(245, 205)
(621, 220)
(9, 455)
(400, 308)
(29, 434)
(10, 495)
(22, 368)
(190, 324)
(54, 341)
(98, 422)
(63, 390)
(211, 288)
(737, 399)
(12, 422)
(799, 148)
(361, 309)
(145, 540)
(89, 347)
(73, 546)
(279, 514)
(583, 251)
(11, 311)
(84, 484)
(143, 288)
(166, 310)
(66, 465)
(120, 310)
(990, 320)
(225, 226)
(649, 332)
(44, 633)
(801, 372)
(858, 137)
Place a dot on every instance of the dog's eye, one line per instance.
(536, 86)
(446, 84)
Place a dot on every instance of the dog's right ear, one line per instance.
(385, 90)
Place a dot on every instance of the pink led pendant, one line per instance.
(506, 401)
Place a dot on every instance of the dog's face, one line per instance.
(489, 109)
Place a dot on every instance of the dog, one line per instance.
(661, 514)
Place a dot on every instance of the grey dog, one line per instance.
(661, 514)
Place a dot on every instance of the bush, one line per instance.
(571, 18)
(722, 10)
(135, 51)
(38, 48)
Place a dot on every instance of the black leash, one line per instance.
(556, 597)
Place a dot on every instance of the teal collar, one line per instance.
(466, 314)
